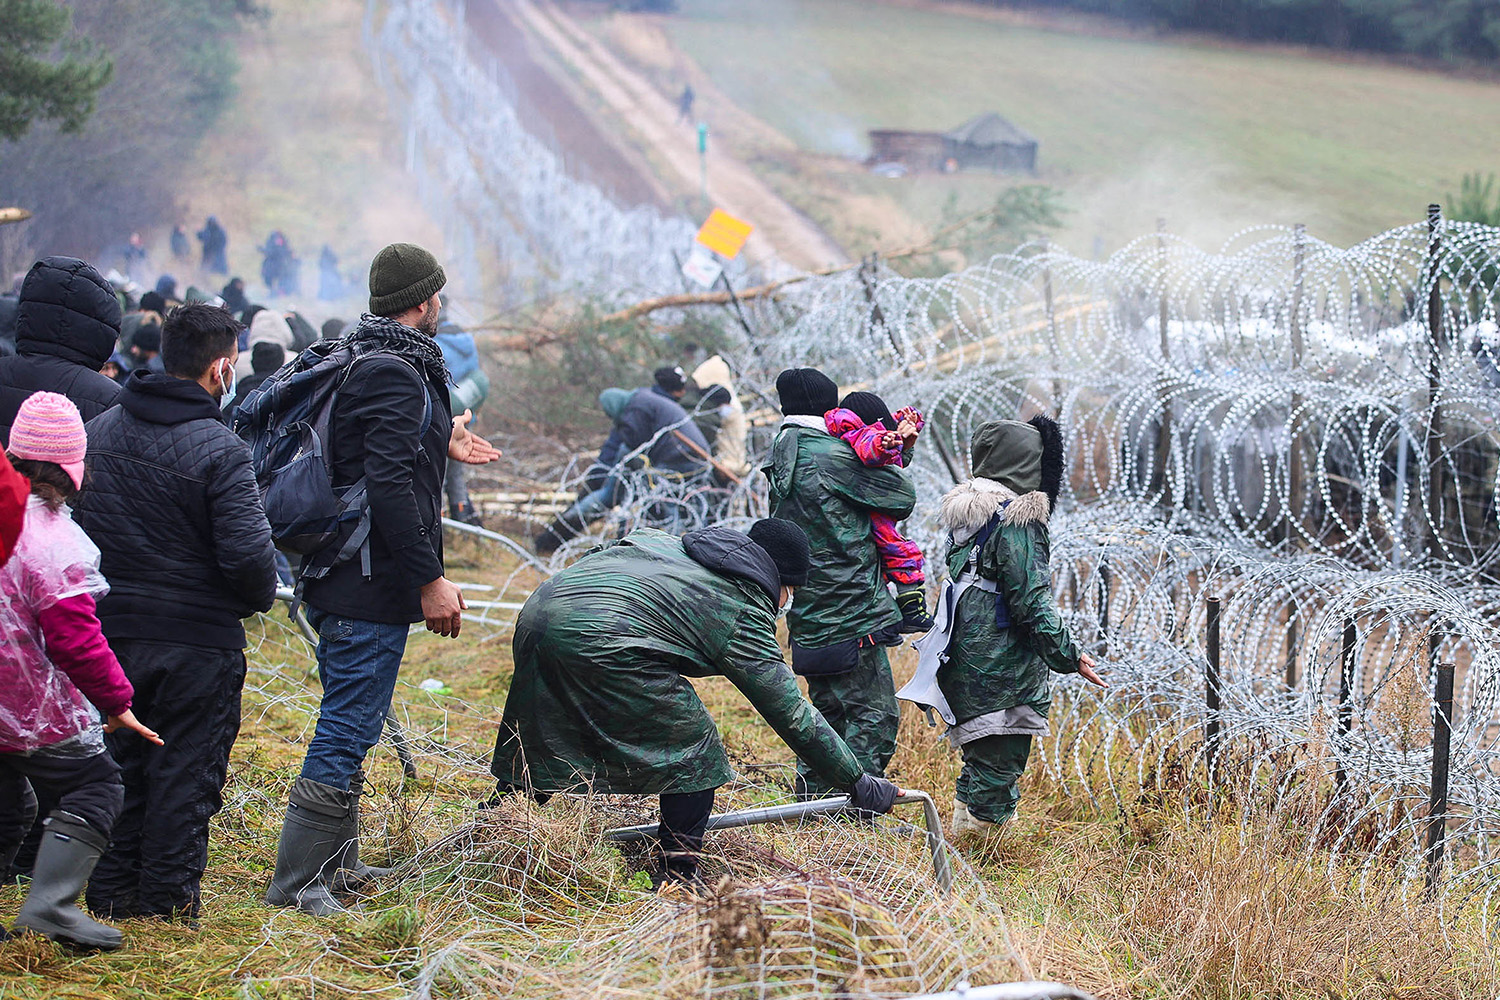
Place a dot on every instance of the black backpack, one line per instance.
(286, 421)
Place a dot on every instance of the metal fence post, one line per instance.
(1437, 805)
(1211, 689)
(1435, 471)
(1346, 707)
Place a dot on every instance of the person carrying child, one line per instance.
(984, 666)
(55, 670)
(879, 438)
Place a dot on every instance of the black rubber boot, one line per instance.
(353, 874)
(312, 844)
(913, 605)
(70, 848)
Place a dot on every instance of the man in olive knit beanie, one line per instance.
(404, 277)
(393, 432)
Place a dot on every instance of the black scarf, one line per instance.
(381, 333)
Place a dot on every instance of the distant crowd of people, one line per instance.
(280, 266)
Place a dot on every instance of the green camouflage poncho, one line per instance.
(600, 697)
(819, 482)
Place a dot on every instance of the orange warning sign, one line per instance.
(724, 234)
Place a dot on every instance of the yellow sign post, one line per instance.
(724, 234)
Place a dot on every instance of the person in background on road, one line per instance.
(57, 675)
(215, 246)
(392, 428)
(174, 507)
(601, 701)
(845, 615)
(470, 388)
(67, 323)
(685, 104)
(1006, 632)
(880, 438)
(651, 419)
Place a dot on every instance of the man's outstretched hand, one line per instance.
(466, 446)
(443, 607)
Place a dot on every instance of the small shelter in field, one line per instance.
(987, 142)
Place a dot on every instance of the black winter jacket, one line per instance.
(375, 429)
(651, 411)
(172, 503)
(67, 322)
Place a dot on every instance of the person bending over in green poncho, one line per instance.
(998, 631)
(601, 701)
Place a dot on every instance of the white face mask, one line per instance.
(786, 605)
(226, 376)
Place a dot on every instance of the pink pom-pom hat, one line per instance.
(49, 429)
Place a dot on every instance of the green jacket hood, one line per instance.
(1025, 456)
(612, 402)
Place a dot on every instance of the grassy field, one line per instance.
(1125, 902)
(1212, 139)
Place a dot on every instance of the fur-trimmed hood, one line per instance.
(970, 505)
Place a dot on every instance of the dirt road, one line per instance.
(784, 238)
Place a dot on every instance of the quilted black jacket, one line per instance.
(67, 321)
(173, 506)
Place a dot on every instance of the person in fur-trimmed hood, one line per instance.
(1006, 633)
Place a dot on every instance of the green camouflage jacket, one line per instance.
(991, 670)
(818, 482)
(600, 697)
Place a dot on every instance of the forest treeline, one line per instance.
(171, 73)
(1449, 30)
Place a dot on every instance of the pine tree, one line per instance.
(46, 72)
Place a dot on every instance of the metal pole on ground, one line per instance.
(795, 811)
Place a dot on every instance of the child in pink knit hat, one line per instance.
(57, 674)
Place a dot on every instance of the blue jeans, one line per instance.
(357, 663)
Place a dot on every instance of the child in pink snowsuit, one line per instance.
(880, 438)
(57, 674)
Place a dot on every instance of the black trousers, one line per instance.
(87, 787)
(684, 817)
(191, 696)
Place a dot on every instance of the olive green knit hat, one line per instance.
(402, 277)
